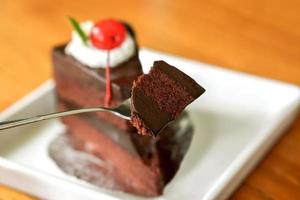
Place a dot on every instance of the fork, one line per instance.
(122, 111)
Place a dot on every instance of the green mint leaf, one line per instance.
(78, 29)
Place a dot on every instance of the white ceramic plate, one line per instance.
(236, 121)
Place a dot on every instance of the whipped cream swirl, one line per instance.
(94, 57)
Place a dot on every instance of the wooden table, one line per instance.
(254, 36)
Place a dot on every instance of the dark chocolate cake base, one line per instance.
(170, 147)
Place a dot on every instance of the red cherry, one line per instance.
(108, 34)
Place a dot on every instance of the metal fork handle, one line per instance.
(29, 120)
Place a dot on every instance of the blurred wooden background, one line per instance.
(260, 37)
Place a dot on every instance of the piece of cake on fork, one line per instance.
(160, 96)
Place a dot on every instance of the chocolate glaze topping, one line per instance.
(178, 76)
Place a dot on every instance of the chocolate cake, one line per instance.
(160, 96)
(98, 147)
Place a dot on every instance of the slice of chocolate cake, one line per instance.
(106, 150)
(160, 96)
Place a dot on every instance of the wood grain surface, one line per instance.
(9, 194)
(260, 37)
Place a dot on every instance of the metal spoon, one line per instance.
(122, 111)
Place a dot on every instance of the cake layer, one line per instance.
(121, 137)
(86, 87)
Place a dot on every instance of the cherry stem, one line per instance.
(108, 94)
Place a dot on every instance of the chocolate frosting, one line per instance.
(181, 78)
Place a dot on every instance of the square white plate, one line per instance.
(236, 121)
